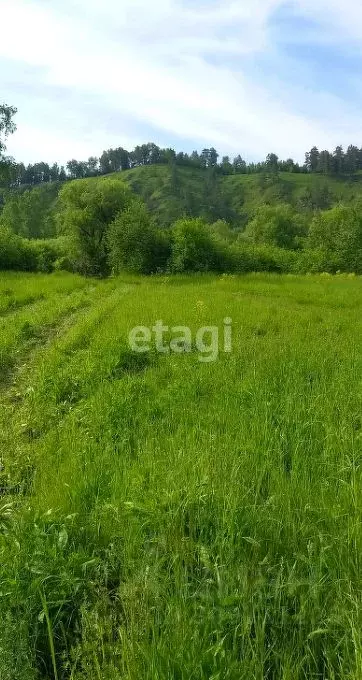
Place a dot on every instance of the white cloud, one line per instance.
(341, 20)
(163, 65)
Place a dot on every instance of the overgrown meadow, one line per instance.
(163, 518)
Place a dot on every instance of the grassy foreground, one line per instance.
(163, 518)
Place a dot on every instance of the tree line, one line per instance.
(323, 162)
(13, 174)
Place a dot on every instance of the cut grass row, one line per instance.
(33, 316)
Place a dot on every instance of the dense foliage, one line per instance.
(276, 225)
(148, 221)
(86, 209)
(135, 244)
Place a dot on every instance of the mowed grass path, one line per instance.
(162, 518)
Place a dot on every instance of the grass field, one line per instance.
(163, 518)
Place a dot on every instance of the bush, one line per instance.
(194, 248)
(338, 234)
(87, 208)
(29, 255)
(247, 257)
(277, 226)
(15, 252)
(222, 232)
(45, 253)
(316, 261)
(135, 244)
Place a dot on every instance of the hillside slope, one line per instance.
(171, 192)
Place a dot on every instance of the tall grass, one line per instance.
(179, 519)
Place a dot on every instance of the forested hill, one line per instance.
(171, 192)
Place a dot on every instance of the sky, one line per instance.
(245, 76)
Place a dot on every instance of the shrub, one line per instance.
(15, 252)
(46, 253)
(277, 226)
(246, 257)
(316, 261)
(222, 232)
(135, 244)
(338, 234)
(194, 248)
(29, 255)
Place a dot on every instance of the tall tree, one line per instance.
(105, 163)
(288, 165)
(352, 159)
(226, 166)
(325, 163)
(213, 157)
(168, 156)
(239, 165)
(312, 159)
(338, 160)
(92, 166)
(195, 159)
(272, 161)
(209, 158)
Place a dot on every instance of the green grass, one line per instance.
(165, 518)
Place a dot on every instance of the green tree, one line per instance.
(312, 159)
(77, 169)
(145, 154)
(352, 159)
(87, 208)
(338, 160)
(316, 197)
(105, 163)
(92, 166)
(288, 166)
(226, 166)
(115, 160)
(272, 161)
(239, 165)
(195, 158)
(208, 158)
(325, 163)
(214, 202)
(14, 253)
